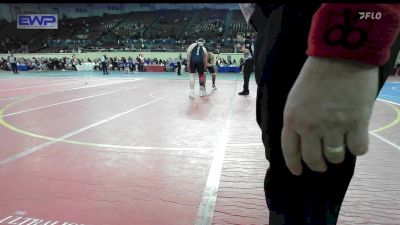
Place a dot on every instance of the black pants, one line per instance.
(179, 68)
(141, 67)
(311, 198)
(14, 68)
(248, 68)
(104, 67)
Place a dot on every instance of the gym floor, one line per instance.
(127, 149)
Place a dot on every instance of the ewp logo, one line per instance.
(37, 21)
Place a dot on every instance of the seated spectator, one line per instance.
(126, 68)
(120, 65)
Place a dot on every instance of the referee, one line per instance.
(103, 61)
(297, 106)
(245, 46)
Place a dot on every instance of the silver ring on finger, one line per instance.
(334, 150)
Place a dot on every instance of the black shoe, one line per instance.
(244, 93)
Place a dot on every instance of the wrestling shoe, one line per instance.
(202, 92)
(244, 93)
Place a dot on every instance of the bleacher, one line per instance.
(207, 23)
(168, 28)
(135, 24)
(239, 24)
(170, 24)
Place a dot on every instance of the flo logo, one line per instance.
(370, 15)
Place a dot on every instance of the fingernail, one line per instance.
(297, 172)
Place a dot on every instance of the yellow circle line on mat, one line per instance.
(30, 134)
(391, 124)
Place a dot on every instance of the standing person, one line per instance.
(197, 62)
(184, 62)
(74, 62)
(178, 63)
(130, 64)
(115, 63)
(246, 47)
(96, 65)
(103, 61)
(397, 64)
(212, 68)
(64, 63)
(136, 65)
(140, 60)
(313, 121)
(13, 62)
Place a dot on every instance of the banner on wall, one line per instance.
(37, 21)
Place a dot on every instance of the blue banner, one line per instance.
(37, 21)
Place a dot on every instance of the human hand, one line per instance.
(328, 111)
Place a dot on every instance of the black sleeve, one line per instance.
(384, 70)
(247, 44)
(268, 8)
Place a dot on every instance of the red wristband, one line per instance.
(361, 32)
